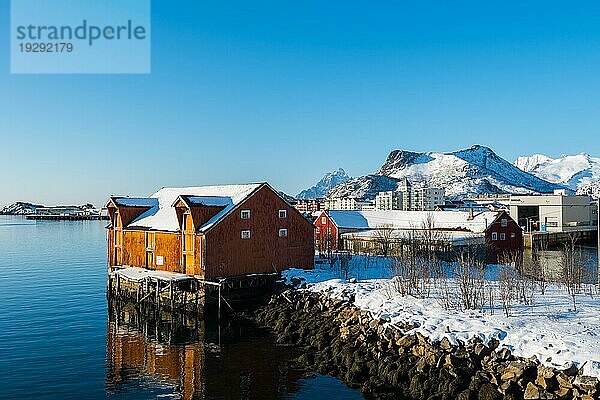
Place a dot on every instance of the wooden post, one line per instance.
(110, 286)
(171, 294)
(219, 314)
(219, 306)
(158, 292)
(118, 286)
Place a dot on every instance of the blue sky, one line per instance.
(285, 91)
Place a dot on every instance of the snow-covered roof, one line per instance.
(445, 220)
(135, 201)
(215, 201)
(162, 215)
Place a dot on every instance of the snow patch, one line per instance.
(549, 329)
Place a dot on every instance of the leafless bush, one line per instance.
(470, 280)
(525, 285)
(383, 237)
(573, 263)
(325, 245)
(411, 273)
(491, 295)
(343, 260)
(540, 266)
(507, 287)
(447, 297)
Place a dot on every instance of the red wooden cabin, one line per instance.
(210, 231)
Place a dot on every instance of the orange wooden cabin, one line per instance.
(210, 231)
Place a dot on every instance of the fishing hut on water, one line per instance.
(182, 247)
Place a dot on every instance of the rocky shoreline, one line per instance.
(383, 362)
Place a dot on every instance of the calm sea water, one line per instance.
(60, 340)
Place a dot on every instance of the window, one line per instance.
(246, 234)
(282, 213)
(512, 235)
(502, 236)
(324, 220)
(283, 233)
(245, 214)
(503, 222)
(494, 236)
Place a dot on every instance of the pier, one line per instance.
(177, 291)
(556, 239)
(67, 217)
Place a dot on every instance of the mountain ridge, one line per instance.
(322, 187)
(574, 171)
(474, 170)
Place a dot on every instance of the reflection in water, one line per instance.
(154, 351)
(160, 354)
(551, 262)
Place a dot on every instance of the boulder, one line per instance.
(587, 383)
(532, 392)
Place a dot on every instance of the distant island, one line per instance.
(54, 212)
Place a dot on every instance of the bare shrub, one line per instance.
(447, 297)
(573, 262)
(470, 280)
(383, 238)
(325, 244)
(491, 295)
(525, 285)
(343, 259)
(412, 271)
(540, 266)
(507, 287)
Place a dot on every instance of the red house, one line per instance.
(210, 232)
(494, 229)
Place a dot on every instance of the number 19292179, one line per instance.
(46, 47)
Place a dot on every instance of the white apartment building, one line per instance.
(425, 199)
(390, 200)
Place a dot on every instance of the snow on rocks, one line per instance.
(549, 329)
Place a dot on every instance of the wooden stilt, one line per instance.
(171, 295)
(158, 293)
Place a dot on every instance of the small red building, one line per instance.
(210, 231)
(494, 229)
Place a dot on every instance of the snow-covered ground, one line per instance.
(549, 328)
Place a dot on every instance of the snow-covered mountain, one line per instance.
(573, 171)
(529, 164)
(329, 181)
(470, 171)
(364, 187)
(20, 208)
